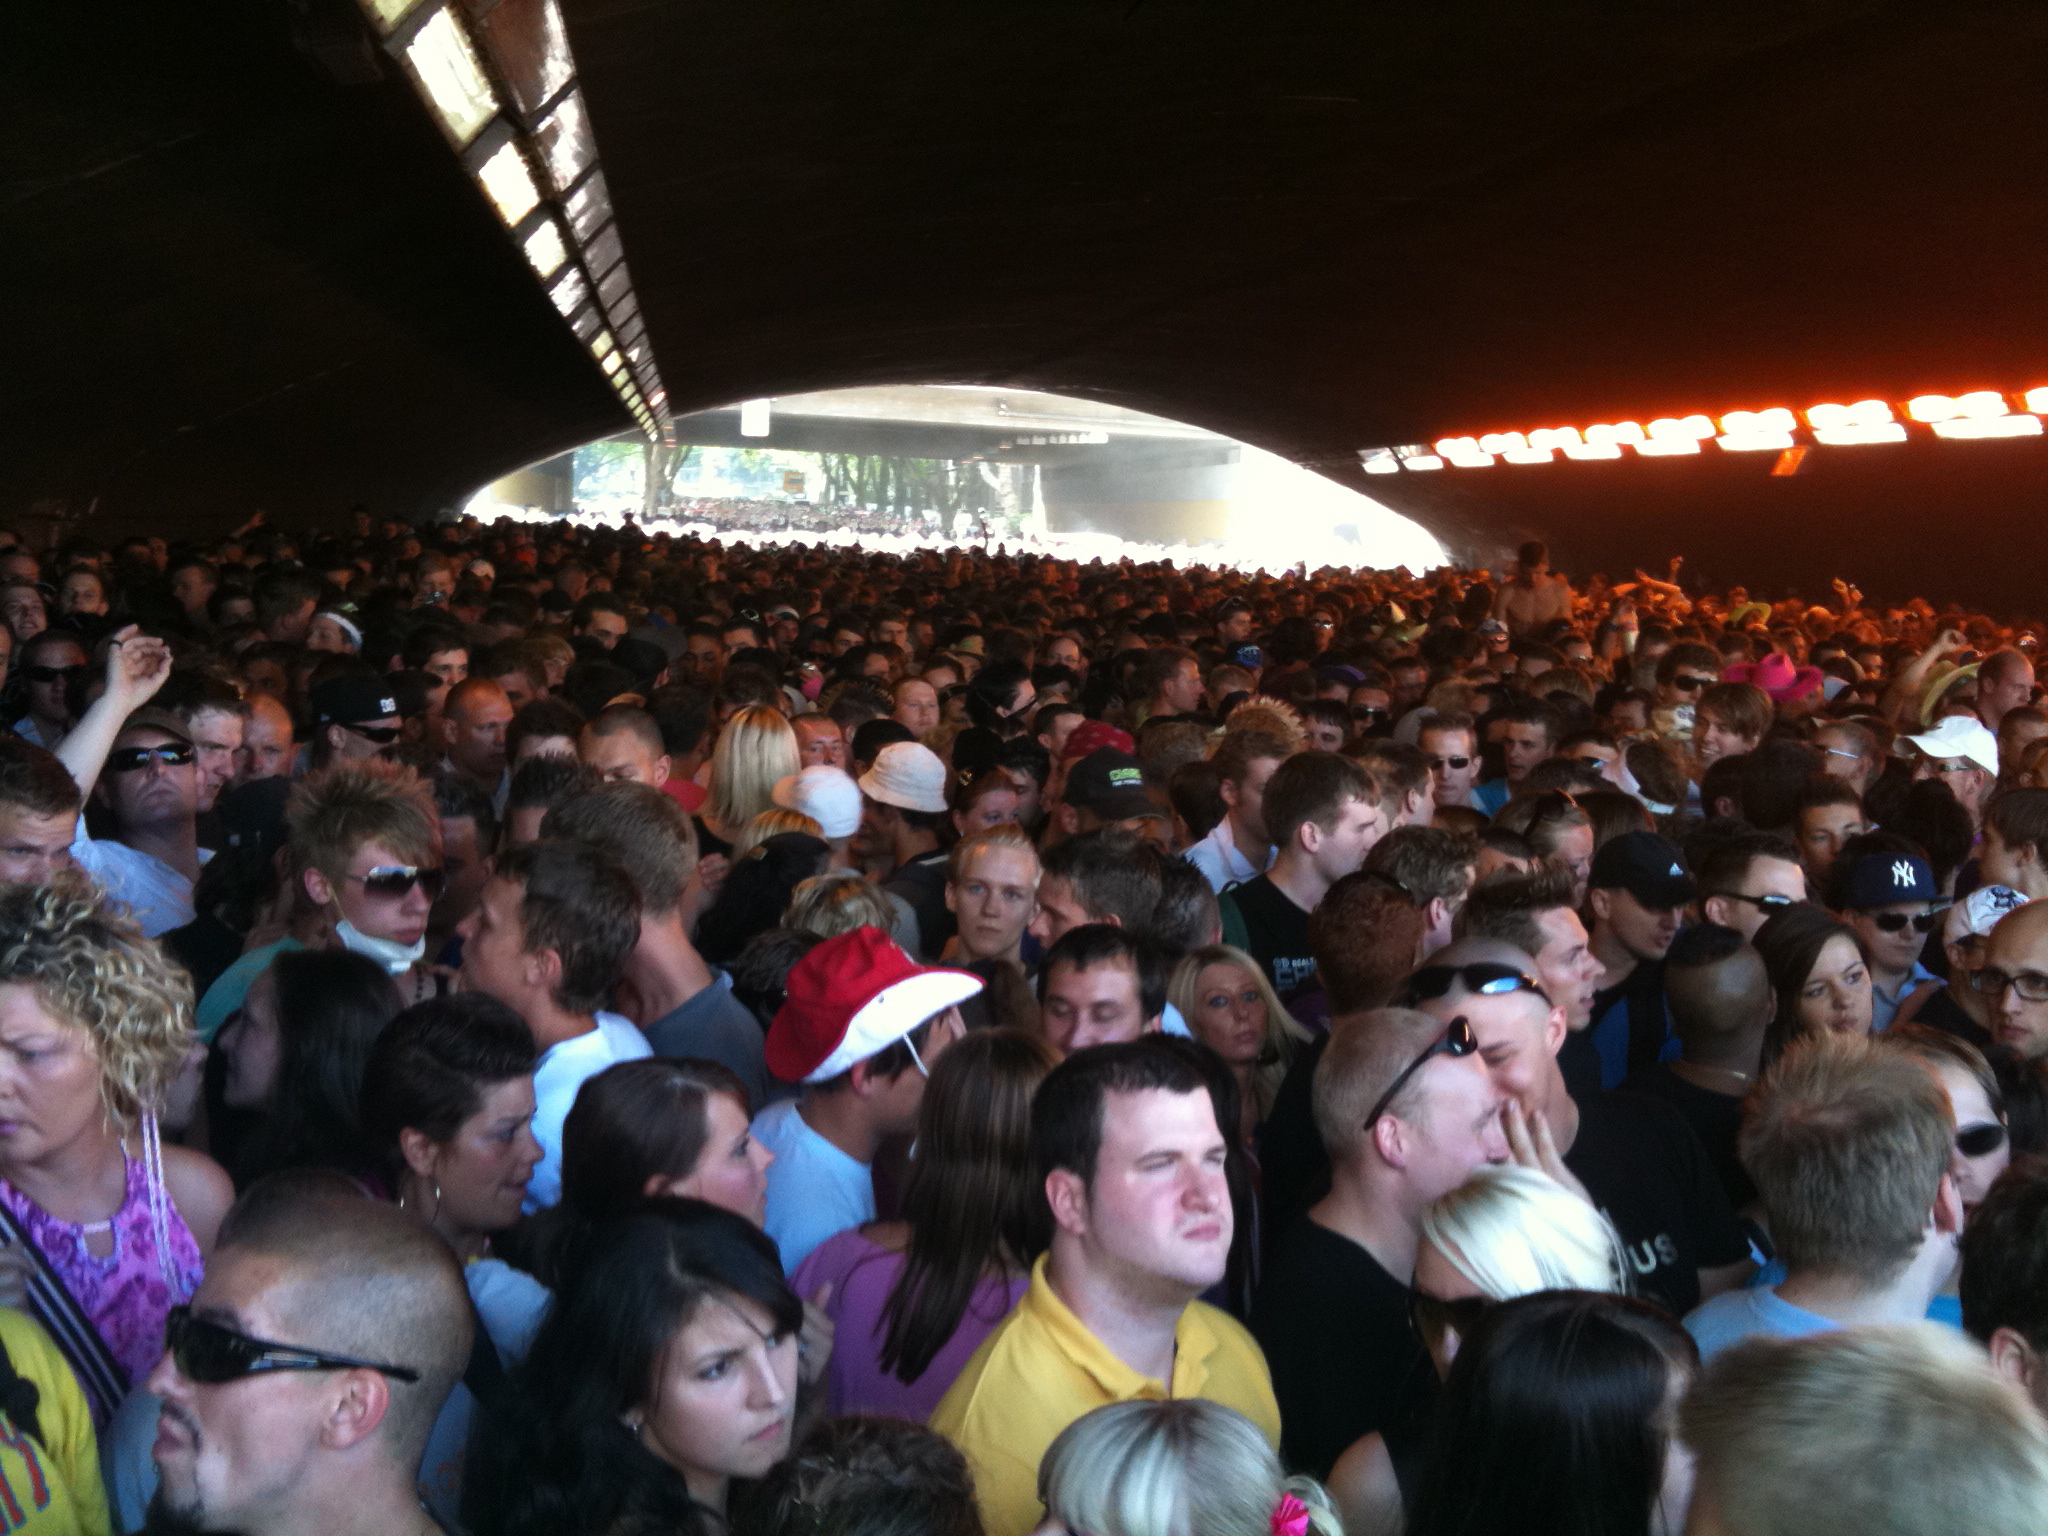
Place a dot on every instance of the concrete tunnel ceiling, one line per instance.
(1315, 225)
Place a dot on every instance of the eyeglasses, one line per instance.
(1434, 1316)
(1854, 757)
(1980, 1140)
(1770, 905)
(388, 882)
(1685, 682)
(211, 1353)
(382, 735)
(1455, 1041)
(172, 754)
(1368, 712)
(56, 674)
(1488, 978)
(1455, 764)
(1895, 922)
(2032, 986)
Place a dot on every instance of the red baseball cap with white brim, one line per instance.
(852, 996)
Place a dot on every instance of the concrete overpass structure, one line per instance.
(253, 267)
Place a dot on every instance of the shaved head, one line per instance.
(1718, 987)
(354, 1277)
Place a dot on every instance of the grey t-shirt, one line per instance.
(716, 1026)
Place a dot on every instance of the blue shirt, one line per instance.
(1737, 1315)
(814, 1189)
(1491, 796)
(1884, 1009)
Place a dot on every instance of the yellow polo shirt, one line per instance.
(51, 1487)
(1042, 1369)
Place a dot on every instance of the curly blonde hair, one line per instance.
(95, 970)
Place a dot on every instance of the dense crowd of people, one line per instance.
(524, 1030)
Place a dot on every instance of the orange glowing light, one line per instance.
(1464, 452)
(1867, 421)
(2037, 399)
(1675, 434)
(1748, 431)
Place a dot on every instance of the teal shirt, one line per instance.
(226, 994)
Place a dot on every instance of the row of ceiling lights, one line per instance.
(1975, 414)
(500, 80)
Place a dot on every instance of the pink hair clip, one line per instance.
(1290, 1517)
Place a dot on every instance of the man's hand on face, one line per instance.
(137, 666)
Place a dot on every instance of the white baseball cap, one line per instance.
(907, 776)
(1963, 736)
(827, 795)
(1978, 913)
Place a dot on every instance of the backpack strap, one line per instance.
(100, 1375)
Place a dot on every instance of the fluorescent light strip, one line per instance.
(1974, 414)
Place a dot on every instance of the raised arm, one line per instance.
(137, 665)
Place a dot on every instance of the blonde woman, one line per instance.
(772, 823)
(1505, 1232)
(756, 750)
(1231, 1007)
(108, 1228)
(839, 901)
(1180, 1467)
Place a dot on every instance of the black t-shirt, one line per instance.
(1716, 1118)
(1344, 1356)
(922, 883)
(1579, 1061)
(1631, 1024)
(1941, 1011)
(1645, 1168)
(1294, 1167)
(1275, 933)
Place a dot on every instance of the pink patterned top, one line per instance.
(124, 1293)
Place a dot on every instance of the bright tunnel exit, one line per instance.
(896, 465)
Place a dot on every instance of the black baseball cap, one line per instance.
(353, 699)
(1111, 784)
(1650, 868)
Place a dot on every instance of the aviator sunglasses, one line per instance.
(212, 1353)
(55, 674)
(135, 759)
(391, 881)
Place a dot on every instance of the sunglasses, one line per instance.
(382, 735)
(1455, 1041)
(1769, 905)
(2032, 986)
(1434, 1316)
(1685, 682)
(1980, 1140)
(1368, 712)
(134, 759)
(56, 674)
(1488, 978)
(210, 1353)
(1895, 922)
(391, 881)
(1455, 764)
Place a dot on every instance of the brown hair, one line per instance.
(641, 827)
(1366, 935)
(578, 901)
(1742, 708)
(337, 810)
(1506, 907)
(1847, 1141)
(974, 1202)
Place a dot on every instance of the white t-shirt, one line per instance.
(156, 895)
(560, 1074)
(814, 1189)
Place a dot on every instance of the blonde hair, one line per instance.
(1941, 1446)
(95, 971)
(1271, 717)
(1181, 1467)
(1283, 1035)
(772, 823)
(755, 751)
(337, 810)
(1005, 834)
(836, 902)
(1511, 1231)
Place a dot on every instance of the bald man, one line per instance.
(267, 747)
(1639, 1162)
(2015, 980)
(1721, 1003)
(361, 1319)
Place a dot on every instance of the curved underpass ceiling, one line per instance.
(254, 273)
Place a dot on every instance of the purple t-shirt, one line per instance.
(861, 1275)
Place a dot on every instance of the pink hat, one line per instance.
(852, 996)
(1776, 675)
